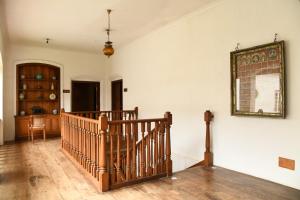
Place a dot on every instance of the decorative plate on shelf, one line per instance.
(52, 96)
(39, 76)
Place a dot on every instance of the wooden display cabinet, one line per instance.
(37, 92)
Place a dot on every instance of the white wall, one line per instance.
(184, 68)
(74, 66)
(2, 62)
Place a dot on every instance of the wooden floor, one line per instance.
(41, 171)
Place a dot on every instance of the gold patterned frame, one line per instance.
(233, 64)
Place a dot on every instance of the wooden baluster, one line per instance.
(66, 133)
(143, 159)
(83, 144)
(168, 117)
(152, 151)
(76, 138)
(109, 117)
(103, 176)
(70, 135)
(84, 161)
(98, 150)
(89, 148)
(155, 160)
(159, 134)
(119, 138)
(162, 147)
(111, 167)
(62, 127)
(80, 141)
(71, 138)
(134, 139)
(93, 150)
(66, 121)
(128, 160)
(138, 160)
(149, 171)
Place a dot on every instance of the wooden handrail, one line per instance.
(118, 153)
(112, 115)
(137, 121)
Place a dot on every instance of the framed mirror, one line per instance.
(258, 81)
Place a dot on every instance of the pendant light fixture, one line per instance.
(108, 48)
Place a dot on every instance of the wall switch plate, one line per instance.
(287, 163)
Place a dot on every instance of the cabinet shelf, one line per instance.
(38, 90)
(33, 79)
(37, 96)
(37, 100)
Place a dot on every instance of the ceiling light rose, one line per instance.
(108, 48)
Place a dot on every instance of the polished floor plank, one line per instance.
(41, 171)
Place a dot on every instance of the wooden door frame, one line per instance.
(111, 92)
(98, 92)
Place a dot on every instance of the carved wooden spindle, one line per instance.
(155, 161)
(89, 148)
(93, 150)
(62, 127)
(128, 139)
(119, 138)
(111, 133)
(103, 175)
(142, 158)
(162, 146)
(208, 156)
(84, 156)
(168, 117)
(134, 139)
(148, 148)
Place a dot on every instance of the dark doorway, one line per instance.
(85, 96)
(117, 95)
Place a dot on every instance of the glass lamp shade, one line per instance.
(108, 49)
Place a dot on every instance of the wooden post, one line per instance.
(208, 156)
(62, 126)
(136, 112)
(103, 175)
(168, 117)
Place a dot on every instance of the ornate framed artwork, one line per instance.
(258, 81)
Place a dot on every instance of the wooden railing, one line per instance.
(119, 152)
(111, 115)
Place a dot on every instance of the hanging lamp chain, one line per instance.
(108, 28)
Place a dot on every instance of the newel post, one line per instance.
(136, 112)
(208, 156)
(103, 175)
(168, 117)
(62, 127)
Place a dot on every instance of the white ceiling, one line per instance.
(80, 24)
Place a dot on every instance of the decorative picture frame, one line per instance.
(258, 81)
